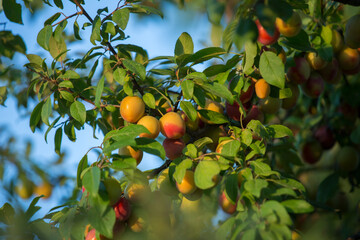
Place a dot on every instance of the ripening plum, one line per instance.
(187, 185)
(262, 89)
(291, 27)
(288, 103)
(172, 125)
(299, 73)
(348, 58)
(352, 32)
(315, 60)
(270, 105)
(314, 86)
(212, 106)
(226, 205)
(264, 37)
(152, 124)
(129, 151)
(173, 148)
(132, 108)
(347, 159)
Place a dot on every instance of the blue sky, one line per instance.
(156, 35)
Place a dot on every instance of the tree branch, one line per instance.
(111, 48)
(156, 171)
(73, 15)
(349, 2)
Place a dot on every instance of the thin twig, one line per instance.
(72, 15)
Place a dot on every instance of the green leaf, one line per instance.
(273, 207)
(57, 140)
(328, 188)
(285, 93)
(77, 30)
(326, 34)
(99, 90)
(7, 213)
(123, 163)
(91, 180)
(246, 137)
(36, 116)
(34, 59)
(231, 187)
(52, 19)
(219, 90)
(284, 12)
(205, 172)
(190, 151)
(57, 48)
(83, 164)
(59, 4)
(297, 206)
(78, 112)
(202, 142)
(250, 54)
(150, 146)
(262, 169)
(146, 9)
(246, 31)
(67, 96)
(255, 186)
(102, 216)
(187, 87)
(215, 11)
(272, 69)
(135, 67)
(184, 45)
(43, 37)
(290, 183)
(46, 111)
(213, 117)
(123, 137)
(181, 169)
(70, 74)
(32, 209)
(299, 42)
(95, 34)
(189, 110)
(279, 131)
(12, 11)
(51, 127)
(204, 55)
(120, 76)
(230, 149)
(66, 84)
(121, 17)
(149, 100)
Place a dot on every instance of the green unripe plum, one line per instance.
(270, 105)
(352, 32)
(347, 159)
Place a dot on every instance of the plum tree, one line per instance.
(182, 95)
